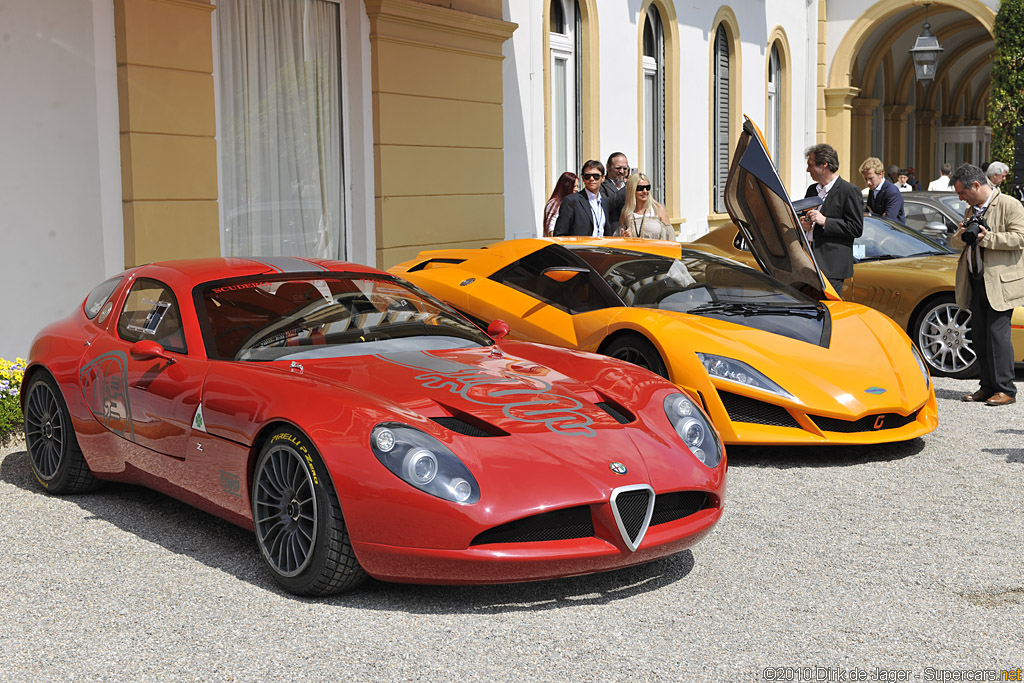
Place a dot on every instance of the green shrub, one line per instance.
(1006, 99)
(10, 405)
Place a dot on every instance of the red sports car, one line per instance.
(359, 426)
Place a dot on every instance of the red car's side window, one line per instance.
(151, 312)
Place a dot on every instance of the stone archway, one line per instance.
(847, 102)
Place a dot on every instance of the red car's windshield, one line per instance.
(324, 317)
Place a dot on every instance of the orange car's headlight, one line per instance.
(922, 366)
(733, 370)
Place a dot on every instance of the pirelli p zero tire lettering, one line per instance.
(57, 460)
(942, 331)
(636, 350)
(297, 517)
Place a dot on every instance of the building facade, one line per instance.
(142, 130)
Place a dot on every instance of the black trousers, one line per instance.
(990, 337)
(837, 284)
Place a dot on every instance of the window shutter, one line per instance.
(721, 139)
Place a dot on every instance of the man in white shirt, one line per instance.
(941, 184)
(586, 213)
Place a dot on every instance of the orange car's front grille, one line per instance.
(744, 409)
(869, 423)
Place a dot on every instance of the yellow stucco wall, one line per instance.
(437, 94)
(437, 125)
(167, 124)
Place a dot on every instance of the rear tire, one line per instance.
(57, 460)
(297, 517)
(634, 349)
(942, 332)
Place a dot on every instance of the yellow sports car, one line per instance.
(907, 276)
(773, 362)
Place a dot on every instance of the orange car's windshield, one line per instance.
(692, 281)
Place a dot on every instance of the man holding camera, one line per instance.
(989, 278)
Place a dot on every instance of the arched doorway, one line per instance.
(874, 106)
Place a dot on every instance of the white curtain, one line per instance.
(280, 128)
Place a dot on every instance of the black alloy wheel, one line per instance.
(297, 518)
(53, 450)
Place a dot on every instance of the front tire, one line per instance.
(57, 460)
(635, 349)
(942, 332)
(297, 517)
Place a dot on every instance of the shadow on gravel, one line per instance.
(578, 591)
(785, 457)
(1012, 454)
(951, 394)
(182, 529)
(159, 519)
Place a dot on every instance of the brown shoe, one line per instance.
(977, 397)
(1000, 399)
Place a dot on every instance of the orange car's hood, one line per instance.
(866, 351)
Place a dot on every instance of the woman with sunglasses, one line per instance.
(567, 184)
(642, 216)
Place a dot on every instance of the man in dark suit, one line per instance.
(586, 213)
(834, 225)
(883, 197)
(615, 181)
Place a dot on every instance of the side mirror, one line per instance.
(147, 349)
(563, 273)
(498, 329)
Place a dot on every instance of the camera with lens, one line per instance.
(972, 227)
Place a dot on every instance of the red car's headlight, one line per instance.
(694, 428)
(424, 462)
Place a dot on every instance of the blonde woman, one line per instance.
(641, 215)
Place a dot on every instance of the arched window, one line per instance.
(654, 102)
(773, 118)
(720, 94)
(566, 125)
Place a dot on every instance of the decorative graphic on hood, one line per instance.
(520, 397)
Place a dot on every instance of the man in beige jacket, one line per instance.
(990, 279)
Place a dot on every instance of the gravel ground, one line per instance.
(903, 558)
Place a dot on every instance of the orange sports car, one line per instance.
(775, 360)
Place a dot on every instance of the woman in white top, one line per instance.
(642, 216)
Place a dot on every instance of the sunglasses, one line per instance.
(591, 176)
(643, 188)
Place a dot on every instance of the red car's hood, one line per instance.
(562, 434)
(500, 393)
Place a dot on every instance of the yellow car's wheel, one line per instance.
(634, 349)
